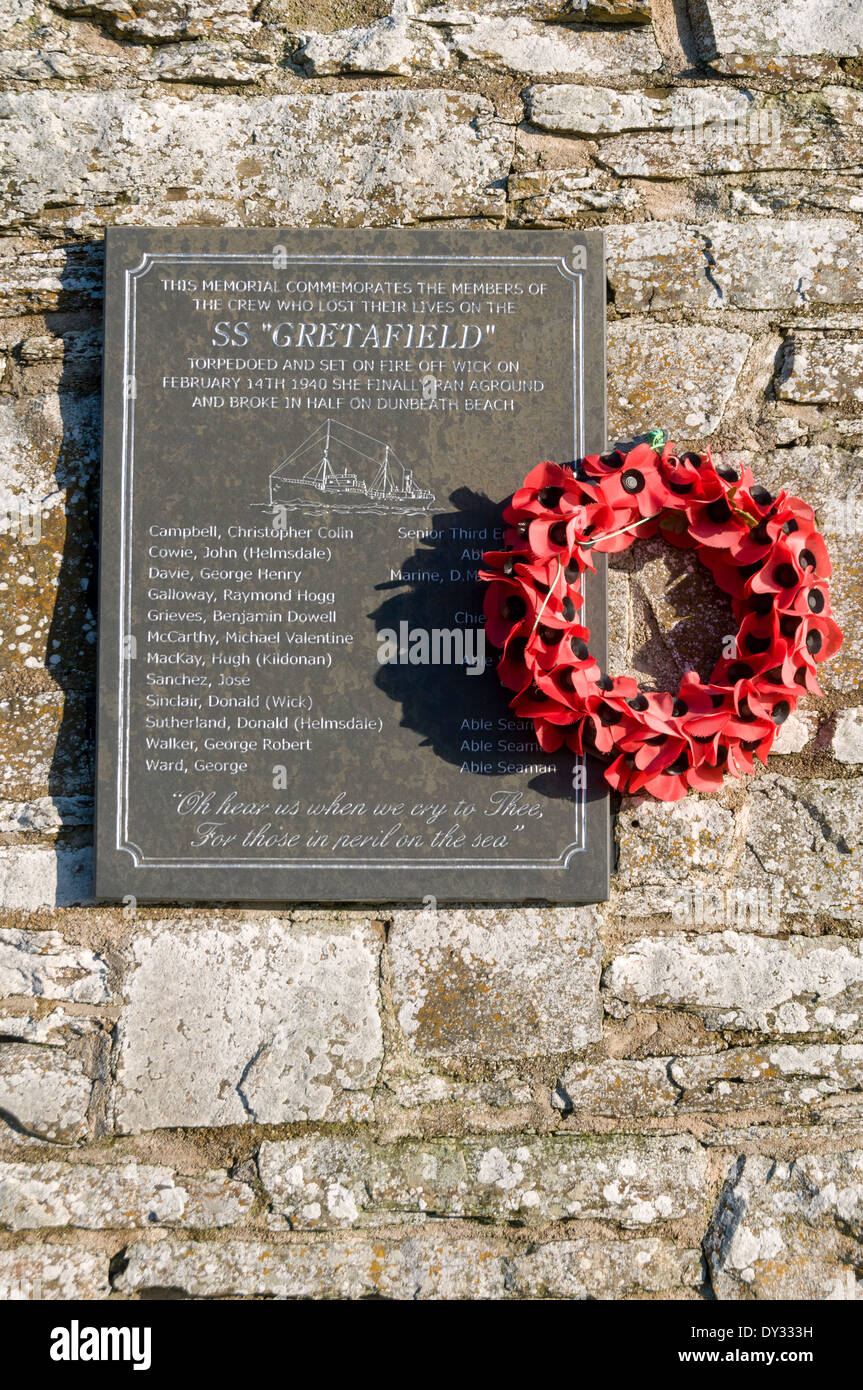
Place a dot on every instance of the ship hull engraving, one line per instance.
(345, 469)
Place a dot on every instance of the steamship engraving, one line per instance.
(341, 468)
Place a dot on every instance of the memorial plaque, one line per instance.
(308, 439)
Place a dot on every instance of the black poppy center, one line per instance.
(719, 510)
(514, 608)
(785, 576)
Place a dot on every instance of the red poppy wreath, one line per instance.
(763, 551)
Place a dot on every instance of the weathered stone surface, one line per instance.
(703, 131)
(551, 198)
(49, 444)
(48, 452)
(848, 738)
(39, 280)
(822, 819)
(787, 28)
(14, 12)
(58, 50)
(520, 45)
(741, 1078)
(73, 347)
(160, 20)
(250, 1021)
(31, 1273)
(777, 1075)
(703, 902)
(619, 621)
(833, 1126)
(817, 370)
(43, 877)
(605, 11)
(44, 740)
(607, 1269)
(323, 1182)
(707, 865)
(795, 733)
(850, 429)
(658, 841)
(682, 376)
(45, 617)
(721, 148)
(505, 1091)
(789, 1230)
(422, 1267)
(44, 1092)
(766, 194)
(42, 965)
(561, 11)
(601, 111)
(784, 424)
(496, 984)
(620, 1088)
(116, 1197)
(27, 1024)
(353, 158)
(45, 814)
(731, 980)
(54, 62)
(762, 264)
(676, 617)
(845, 669)
(395, 44)
(210, 64)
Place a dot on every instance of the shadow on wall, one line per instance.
(691, 17)
(432, 697)
(71, 644)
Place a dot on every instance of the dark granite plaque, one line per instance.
(308, 437)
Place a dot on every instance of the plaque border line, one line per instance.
(131, 277)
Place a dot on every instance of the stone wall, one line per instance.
(657, 1097)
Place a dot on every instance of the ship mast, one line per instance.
(325, 461)
(381, 484)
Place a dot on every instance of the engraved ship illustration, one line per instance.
(346, 468)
